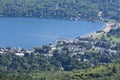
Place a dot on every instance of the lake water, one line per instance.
(29, 32)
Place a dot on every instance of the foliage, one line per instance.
(62, 9)
(64, 64)
(102, 72)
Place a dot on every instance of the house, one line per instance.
(30, 51)
(53, 47)
(85, 60)
(112, 51)
(48, 55)
(19, 54)
(2, 51)
(82, 53)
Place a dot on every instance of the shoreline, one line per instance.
(106, 29)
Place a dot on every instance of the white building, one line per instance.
(19, 54)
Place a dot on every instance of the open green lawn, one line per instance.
(113, 38)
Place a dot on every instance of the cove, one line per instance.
(30, 32)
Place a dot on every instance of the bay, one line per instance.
(30, 32)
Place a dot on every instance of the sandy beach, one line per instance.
(107, 28)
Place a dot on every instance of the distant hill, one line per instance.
(62, 9)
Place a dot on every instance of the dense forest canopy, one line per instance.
(63, 9)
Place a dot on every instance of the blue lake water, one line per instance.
(29, 32)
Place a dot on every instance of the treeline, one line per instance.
(62, 9)
(14, 76)
(114, 32)
(101, 72)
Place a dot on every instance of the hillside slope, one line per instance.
(62, 9)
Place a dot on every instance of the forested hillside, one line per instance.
(63, 9)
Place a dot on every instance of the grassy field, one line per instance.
(113, 38)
